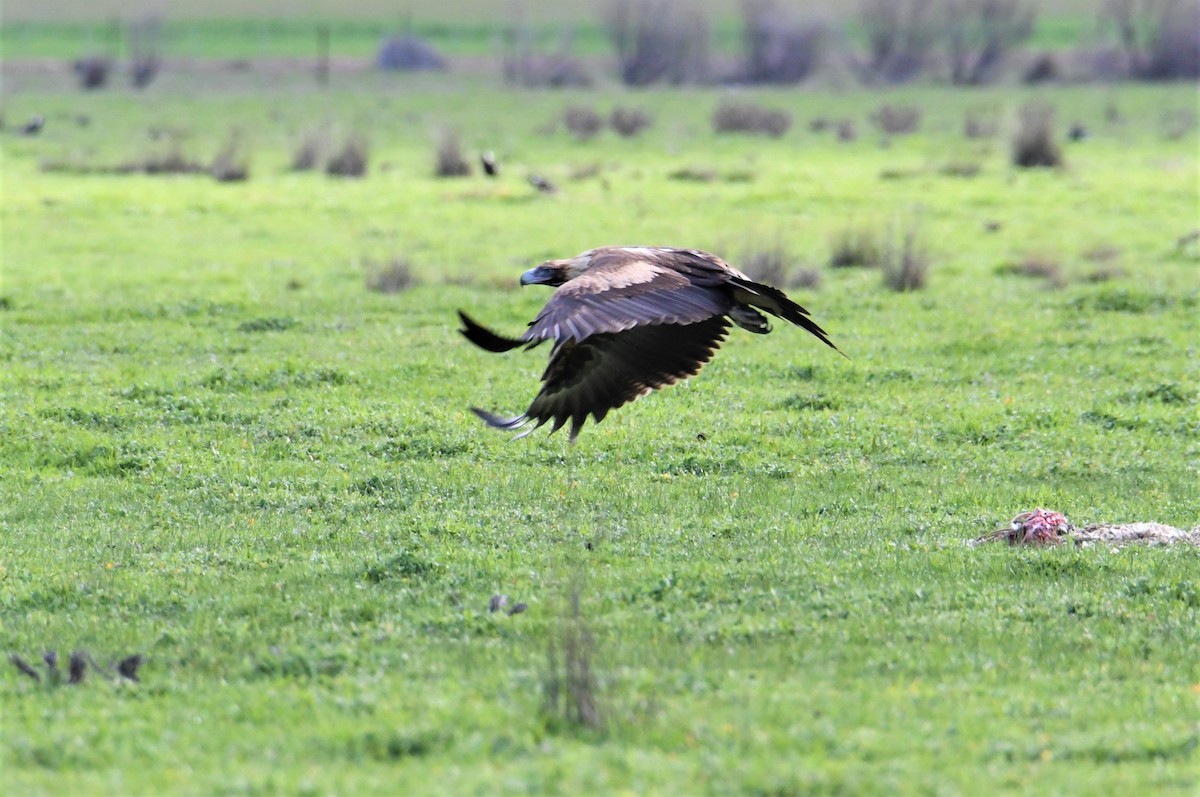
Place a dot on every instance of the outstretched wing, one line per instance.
(606, 370)
(627, 287)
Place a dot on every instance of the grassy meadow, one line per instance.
(224, 452)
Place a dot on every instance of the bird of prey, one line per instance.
(626, 320)
(490, 167)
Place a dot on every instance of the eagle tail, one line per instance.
(776, 302)
(484, 338)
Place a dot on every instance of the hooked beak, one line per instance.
(542, 275)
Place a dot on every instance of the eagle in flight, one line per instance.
(626, 320)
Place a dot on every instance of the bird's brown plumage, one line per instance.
(629, 320)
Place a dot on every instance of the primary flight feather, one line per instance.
(626, 320)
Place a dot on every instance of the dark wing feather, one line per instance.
(486, 339)
(629, 287)
(777, 303)
(608, 370)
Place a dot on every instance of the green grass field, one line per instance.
(223, 452)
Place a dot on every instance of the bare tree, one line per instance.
(899, 34)
(981, 34)
(1159, 38)
(779, 46)
(658, 40)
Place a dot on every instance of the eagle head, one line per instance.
(556, 272)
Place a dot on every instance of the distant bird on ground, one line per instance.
(1077, 132)
(542, 184)
(488, 159)
(626, 320)
(34, 125)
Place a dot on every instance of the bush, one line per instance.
(628, 122)
(744, 117)
(584, 123)
(778, 47)
(1033, 144)
(980, 34)
(900, 35)
(658, 40)
(450, 161)
(351, 159)
(897, 120)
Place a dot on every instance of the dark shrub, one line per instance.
(1043, 68)
(407, 54)
(732, 116)
(92, 72)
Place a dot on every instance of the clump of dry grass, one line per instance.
(1033, 145)
(231, 164)
(450, 160)
(733, 116)
(628, 122)
(897, 120)
(350, 160)
(1036, 266)
(906, 264)
(570, 686)
(310, 150)
(846, 131)
(583, 123)
(855, 247)
(980, 123)
(961, 168)
(395, 276)
(92, 72)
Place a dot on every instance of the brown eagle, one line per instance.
(626, 320)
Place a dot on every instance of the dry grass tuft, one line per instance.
(733, 116)
(856, 247)
(1035, 266)
(628, 122)
(231, 164)
(351, 159)
(450, 160)
(1033, 144)
(395, 276)
(897, 120)
(906, 265)
(570, 687)
(583, 123)
(980, 123)
(309, 151)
